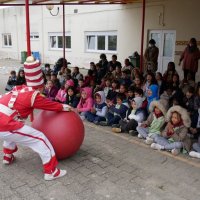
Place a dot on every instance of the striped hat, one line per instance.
(33, 73)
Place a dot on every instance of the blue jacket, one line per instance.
(121, 111)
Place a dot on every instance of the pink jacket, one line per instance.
(61, 95)
(85, 105)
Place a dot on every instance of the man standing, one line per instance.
(151, 57)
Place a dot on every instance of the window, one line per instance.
(56, 41)
(34, 36)
(101, 41)
(7, 40)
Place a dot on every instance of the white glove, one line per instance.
(66, 107)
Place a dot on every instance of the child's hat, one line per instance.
(33, 73)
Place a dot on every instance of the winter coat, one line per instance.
(101, 109)
(119, 110)
(154, 96)
(190, 59)
(155, 124)
(72, 100)
(151, 55)
(180, 133)
(139, 115)
(197, 102)
(85, 105)
(61, 95)
(189, 104)
(51, 93)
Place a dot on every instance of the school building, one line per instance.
(94, 29)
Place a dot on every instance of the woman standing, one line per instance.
(190, 58)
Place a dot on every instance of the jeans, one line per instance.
(112, 119)
(166, 144)
(91, 117)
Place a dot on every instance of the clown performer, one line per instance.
(18, 105)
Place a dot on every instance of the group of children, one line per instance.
(160, 109)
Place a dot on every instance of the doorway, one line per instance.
(165, 41)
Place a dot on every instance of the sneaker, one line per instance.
(103, 123)
(82, 117)
(175, 152)
(56, 174)
(8, 159)
(133, 132)
(194, 154)
(140, 136)
(116, 130)
(96, 122)
(115, 126)
(149, 140)
(156, 146)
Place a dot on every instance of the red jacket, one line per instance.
(23, 106)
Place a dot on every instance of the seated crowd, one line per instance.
(158, 108)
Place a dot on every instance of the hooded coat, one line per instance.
(180, 132)
(154, 88)
(139, 115)
(85, 105)
(101, 109)
(155, 124)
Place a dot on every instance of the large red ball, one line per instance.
(65, 131)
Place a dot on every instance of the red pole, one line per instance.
(64, 32)
(142, 35)
(28, 29)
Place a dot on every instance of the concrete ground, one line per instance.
(108, 166)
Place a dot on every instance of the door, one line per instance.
(165, 41)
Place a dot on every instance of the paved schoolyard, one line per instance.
(108, 166)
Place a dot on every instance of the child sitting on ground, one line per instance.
(136, 114)
(115, 112)
(86, 102)
(51, 90)
(99, 110)
(62, 92)
(12, 81)
(152, 94)
(71, 98)
(196, 148)
(174, 137)
(153, 125)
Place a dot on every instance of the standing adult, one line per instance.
(151, 57)
(190, 58)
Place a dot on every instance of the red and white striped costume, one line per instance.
(13, 131)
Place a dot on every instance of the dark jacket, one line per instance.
(72, 100)
(121, 111)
